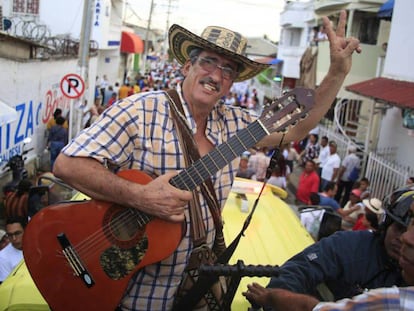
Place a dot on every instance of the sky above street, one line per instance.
(252, 18)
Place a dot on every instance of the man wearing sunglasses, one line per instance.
(12, 254)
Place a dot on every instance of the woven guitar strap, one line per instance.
(212, 296)
(207, 188)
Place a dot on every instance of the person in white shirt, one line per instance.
(103, 84)
(323, 153)
(4, 240)
(345, 180)
(291, 155)
(279, 174)
(12, 254)
(230, 100)
(259, 162)
(331, 167)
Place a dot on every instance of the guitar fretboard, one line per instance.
(215, 160)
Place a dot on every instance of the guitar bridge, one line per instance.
(74, 260)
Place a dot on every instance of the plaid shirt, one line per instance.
(390, 299)
(259, 163)
(138, 133)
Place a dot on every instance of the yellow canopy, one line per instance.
(19, 293)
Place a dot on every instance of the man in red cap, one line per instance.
(352, 209)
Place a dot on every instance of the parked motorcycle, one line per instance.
(16, 165)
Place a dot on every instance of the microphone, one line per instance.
(273, 162)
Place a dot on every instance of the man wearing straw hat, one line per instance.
(138, 133)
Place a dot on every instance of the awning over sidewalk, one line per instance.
(386, 9)
(131, 43)
(268, 60)
(395, 92)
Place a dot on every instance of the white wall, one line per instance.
(399, 61)
(399, 65)
(296, 20)
(33, 89)
(392, 134)
(108, 64)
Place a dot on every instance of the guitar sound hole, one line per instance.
(122, 226)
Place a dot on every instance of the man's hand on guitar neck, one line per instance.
(161, 199)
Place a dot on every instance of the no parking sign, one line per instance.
(72, 85)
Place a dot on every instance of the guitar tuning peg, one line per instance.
(309, 93)
(284, 130)
(304, 116)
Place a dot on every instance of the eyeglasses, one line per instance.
(11, 235)
(211, 65)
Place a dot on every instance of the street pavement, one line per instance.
(293, 184)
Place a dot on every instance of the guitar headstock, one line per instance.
(286, 111)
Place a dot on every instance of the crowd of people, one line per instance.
(163, 76)
(135, 127)
(324, 179)
(327, 180)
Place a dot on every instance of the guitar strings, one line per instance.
(90, 245)
(94, 240)
(125, 217)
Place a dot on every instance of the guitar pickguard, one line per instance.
(118, 263)
(123, 228)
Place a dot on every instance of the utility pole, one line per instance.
(76, 113)
(85, 37)
(144, 61)
(166, 30)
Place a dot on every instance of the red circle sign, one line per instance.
(72, 85)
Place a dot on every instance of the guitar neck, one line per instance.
(280, 114)
(218, 158)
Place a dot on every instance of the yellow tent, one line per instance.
(19, 293)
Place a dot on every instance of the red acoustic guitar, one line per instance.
(81, 255)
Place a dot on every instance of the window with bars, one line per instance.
(26, 6)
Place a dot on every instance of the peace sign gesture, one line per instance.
(341, 48)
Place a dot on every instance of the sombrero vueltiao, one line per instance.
(217, 39)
